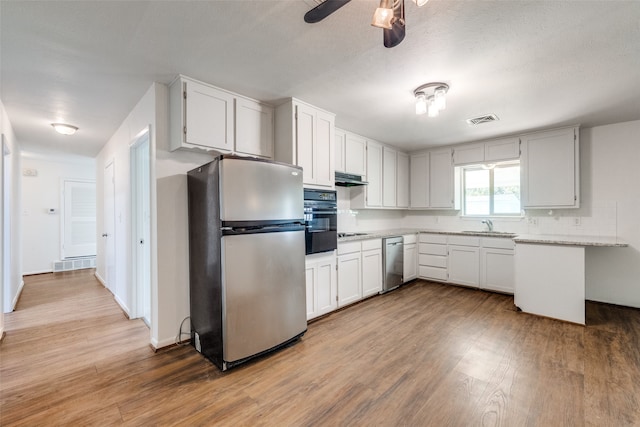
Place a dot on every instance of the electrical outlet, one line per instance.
(577, 221)
(533, 221)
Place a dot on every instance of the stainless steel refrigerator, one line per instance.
(246, 258)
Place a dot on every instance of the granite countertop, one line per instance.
(518, 238)
(551, 239)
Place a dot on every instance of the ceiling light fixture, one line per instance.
(430, 98)
(383, 17)
(64, 128)
(420, 3)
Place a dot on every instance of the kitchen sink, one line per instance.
(490, 233)
(351, 234)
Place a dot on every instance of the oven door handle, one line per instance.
(324, 212)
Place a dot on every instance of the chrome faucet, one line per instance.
(489, 224)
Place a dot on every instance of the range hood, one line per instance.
(349, 180)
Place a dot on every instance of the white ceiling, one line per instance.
(535, 64)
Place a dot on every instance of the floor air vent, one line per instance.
(482, 119)
(74, 264)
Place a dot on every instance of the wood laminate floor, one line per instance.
(424, 355)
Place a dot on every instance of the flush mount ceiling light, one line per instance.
(389, 16)
(64, 128)
(430, 98)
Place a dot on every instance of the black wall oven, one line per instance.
(320, 220)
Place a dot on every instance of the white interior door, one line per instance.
(141, 214)
(108, 233)
(79, 219)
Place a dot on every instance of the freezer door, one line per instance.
(254, 190)
(263, 291)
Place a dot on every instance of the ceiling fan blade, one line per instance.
(395, 35)
(323, 10)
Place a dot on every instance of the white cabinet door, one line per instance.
(389, 164)
(402, 184)
(468, 154)
(349, 279)
(340, 150)
(322, 285)
(323, 149)
(374, 174)
(549, 169)
(305, 144)
(497, 270)
(208, 116)
(410, 262)
(327, 285)
(355, 155)
(502, 149)
(441, 179)
(371, 272)
(254, 128)
(419, 180)
(311, 275)
(464, 265)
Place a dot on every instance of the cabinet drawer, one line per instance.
(432, 260)
(432, 272)
(410, 238)
(368, 245)
(498, 243)
(348, 247)
(464, 241)
(433, 238)
(431, 249)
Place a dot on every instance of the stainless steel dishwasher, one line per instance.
(392, 262)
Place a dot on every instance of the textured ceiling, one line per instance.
(535, 64)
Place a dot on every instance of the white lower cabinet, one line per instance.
(497, 265)
(322, 285)
(359, 270)
(432, 257)
(410, 255)
(464, 260)
(371, 267)
(349, 273)
(482, 262)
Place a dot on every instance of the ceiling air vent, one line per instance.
(482, 119)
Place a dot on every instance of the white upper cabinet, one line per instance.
(209, 118)
(374, 175)
(488, 151)
(305, 136)
(389, 165)
(339, 163)
(441, 193)
(549, 168)
(432, 179)
(419, 180)
(355, 154)
(502, 149)
(402, 184)
(201, 116)
(468, 154)
(254, 128)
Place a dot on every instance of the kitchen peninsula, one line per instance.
(550, 275)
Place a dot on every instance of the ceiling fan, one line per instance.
(389, 16)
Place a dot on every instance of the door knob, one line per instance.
(105, 235)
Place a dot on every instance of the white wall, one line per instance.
(169, 226)
(609, 157)
(11, 288)
(41, 231)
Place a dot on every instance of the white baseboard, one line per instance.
(122, 305)
(17, 297)
(162, 343)
(100, 279)
(31, 273)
